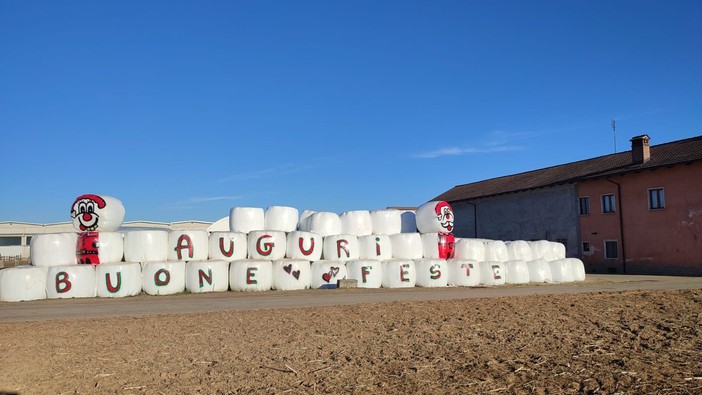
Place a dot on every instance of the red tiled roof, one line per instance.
(676, 152)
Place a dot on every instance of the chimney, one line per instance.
(640, 151)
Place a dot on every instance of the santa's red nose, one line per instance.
(87, 216)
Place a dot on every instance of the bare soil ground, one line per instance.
(641, 342)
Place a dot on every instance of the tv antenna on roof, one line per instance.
(614, 133)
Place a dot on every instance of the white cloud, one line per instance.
(268, 172)
(212, 199)
(455, 151)
(637, 115)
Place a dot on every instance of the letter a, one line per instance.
(184, 242)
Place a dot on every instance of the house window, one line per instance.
(608, 203)
(656, 199)
(611, 249)
(584, 203)
(586, 246)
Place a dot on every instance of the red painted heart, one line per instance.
(333, 271)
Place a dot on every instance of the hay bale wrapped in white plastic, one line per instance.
(538, 249)
(251, 275)
(463, 272)
(356, 222)
(407, 246)
(53, 249)
(146, 246)
(304, 222)
(492, 273)
(341, 248)
(386, 222)
(163, 278)
(438, 245)
(281, 218)
(578, 269)
(409, 221)
(542, 249)
(558, 250)
(118, 279)
(496, 250)
(111, 249)
(376, 247)
(325, 224)
(368, 273)
(23, 283)
(518, 250)
(517, 272)
(431, 273)
(188, 245)
(97, 213)
(435, 216)
(399, 273)
(470, 249)
(70, 281)
(562, 271)
(291, 274)
(267, 244)
(227, 246)
(207, 276)
(539, 271)
(304, 245)
(325, 274)
(246, 219)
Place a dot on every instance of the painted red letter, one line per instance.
(63, 285)
(341, 245)
(188, 244)
(110, 288)
(267, 247)
(223, 251)
(302, 248)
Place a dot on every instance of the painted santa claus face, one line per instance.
(434, 217)
(85, 212)
(445, 215)
(93, 213)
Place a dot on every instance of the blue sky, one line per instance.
(184, 109)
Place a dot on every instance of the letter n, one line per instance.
(202, 276)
